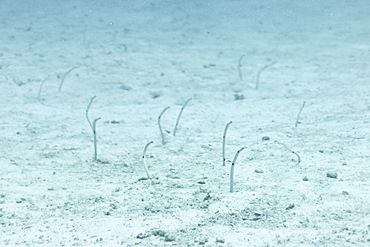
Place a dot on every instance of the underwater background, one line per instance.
(115, 123)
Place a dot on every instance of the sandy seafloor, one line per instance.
(138, 57)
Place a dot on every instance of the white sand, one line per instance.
(139, 57)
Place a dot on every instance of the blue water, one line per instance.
(37, 34)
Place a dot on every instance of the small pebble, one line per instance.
(305, 178)
(160, 233)
(142, 235)
(207, 197)
(125, 87)
(220, 240)
(332, 175)
(258, 213)
(238, 96)
(20, 201)
(203, 241)
(155, 94)
(265, 138)
(258, 171)
(169, 238)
